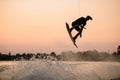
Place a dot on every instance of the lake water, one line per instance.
(53, 70)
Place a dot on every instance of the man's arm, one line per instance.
(82, 26)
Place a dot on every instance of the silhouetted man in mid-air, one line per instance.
(78, 25)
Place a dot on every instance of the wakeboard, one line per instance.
(71, 37)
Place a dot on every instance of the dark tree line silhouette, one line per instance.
(90, 55)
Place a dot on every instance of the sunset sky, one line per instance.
(39, 25)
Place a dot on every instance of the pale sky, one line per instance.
(39, 25)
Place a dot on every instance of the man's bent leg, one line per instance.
(71, 29)
(80, 33)
(76, 28)
(75, 37)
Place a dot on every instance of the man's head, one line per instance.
(88, 18)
